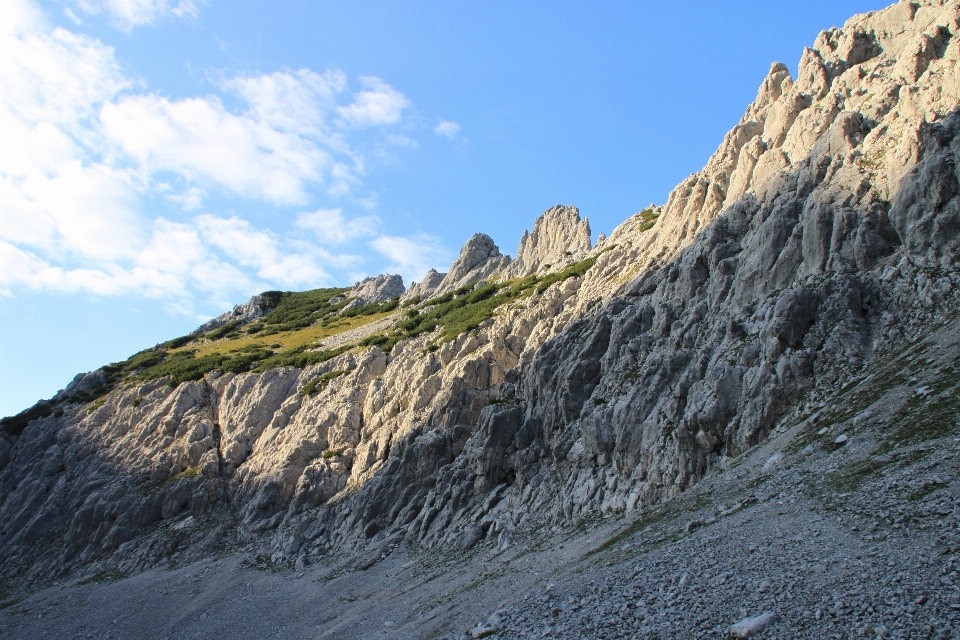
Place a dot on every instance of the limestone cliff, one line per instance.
(823, 233)
(559, 237)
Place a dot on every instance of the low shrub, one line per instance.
(648, 218)
(223, 330)
(14, 425)
(468, 307)
(321, 382)
(176, 343)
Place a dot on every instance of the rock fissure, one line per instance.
(821, 239)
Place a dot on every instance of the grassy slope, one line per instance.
(288, 335)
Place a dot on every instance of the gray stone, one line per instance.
(376, 289)
(749, 627)
(470, 537)
(245, 313)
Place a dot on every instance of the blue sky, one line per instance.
(165, 159)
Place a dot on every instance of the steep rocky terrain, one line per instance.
(772, 307)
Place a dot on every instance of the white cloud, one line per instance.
(72, 16)
(24, 268)
(330, 226)
(189, 200)
(447, 129)
(261, 250)
(294, 101)
(207, 254)
(54, 198)
(87, 211)
(369, 202)
(127, 14)
(377, 104)
(86, 149)
(198, 139)
(238, 239)
(57, 78)
(411, 256)
(400, 140)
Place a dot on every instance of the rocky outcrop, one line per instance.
(376, 289)
(559, 237)
(821, 235)
(479, 259)
(245, 313)
(425, 288)
(82, 382)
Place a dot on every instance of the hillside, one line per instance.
(750, 390)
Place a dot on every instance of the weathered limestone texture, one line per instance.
(822, 234)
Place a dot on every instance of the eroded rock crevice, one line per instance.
(821, 235)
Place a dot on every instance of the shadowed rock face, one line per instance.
(822, 233)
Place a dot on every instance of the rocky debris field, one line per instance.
(844, 525)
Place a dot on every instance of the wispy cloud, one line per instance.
(412, 256)
(292, 101)
(127, 14)
(377, 104)
(331, 227)
(93, 148)
(447, 129)
(199, 140)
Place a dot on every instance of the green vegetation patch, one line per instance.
(185, 366)
(14, 425)
(931, 417)
(628, 379)
(465, 309)
(925, 490)
(300, 357)
(654, 516)
(369, 309)
(176, 343)
(648, 218)
(860, 393)
(321, 382)
(292, 310)
(223, 331)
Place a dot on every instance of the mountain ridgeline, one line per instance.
(508, 394)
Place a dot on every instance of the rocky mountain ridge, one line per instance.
(819, 238)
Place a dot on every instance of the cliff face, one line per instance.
(822, 233)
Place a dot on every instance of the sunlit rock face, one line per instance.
(821, 235)
(559, 237)
(376, 289)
